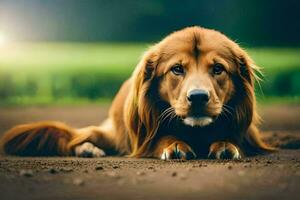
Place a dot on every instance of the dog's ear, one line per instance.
(246, 116)
(244, 81)
(247, 69)
(141, 113)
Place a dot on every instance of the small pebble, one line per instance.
(140, 173)
(99, 168)
(52, 171)
(229, 167)
(174, 174)
(26, 173)
(113, 175)
(78, 182)
(66, 169)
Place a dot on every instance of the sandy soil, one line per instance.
(275, 176)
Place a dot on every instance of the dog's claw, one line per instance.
(224, 150)
(178, 151)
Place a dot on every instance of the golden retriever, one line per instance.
(190, 96)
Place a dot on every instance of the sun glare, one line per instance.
(3, 39)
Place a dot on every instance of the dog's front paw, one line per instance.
(224, 150)
(178, 150)
(88, 150)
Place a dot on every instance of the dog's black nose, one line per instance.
(198, 96)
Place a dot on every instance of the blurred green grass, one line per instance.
(80, 73)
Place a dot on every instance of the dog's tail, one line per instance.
(47, 138)
(254, 145)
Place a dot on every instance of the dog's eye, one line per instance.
(218, 69)
(177, 70)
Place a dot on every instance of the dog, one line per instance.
(190, 96)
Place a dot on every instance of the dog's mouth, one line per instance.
(198, 117)
(197, 120)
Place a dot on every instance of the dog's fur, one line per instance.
(150, 116)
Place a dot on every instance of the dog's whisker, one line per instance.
(226, 111)
(168, 113)
(163, 114)
(166, 116)
(165, 111)
(228, 107)
(172, 116)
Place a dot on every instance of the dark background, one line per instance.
(253, 23)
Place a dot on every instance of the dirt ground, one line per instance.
(274, 176)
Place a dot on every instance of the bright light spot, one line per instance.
(3, 39)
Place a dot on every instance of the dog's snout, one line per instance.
(198, 96)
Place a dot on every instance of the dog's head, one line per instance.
(200, 74)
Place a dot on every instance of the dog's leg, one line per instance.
(171, 148)
(58, 139)
(224, 150)
(93, 141)
(88, 150)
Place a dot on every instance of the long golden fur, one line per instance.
(153, 115)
